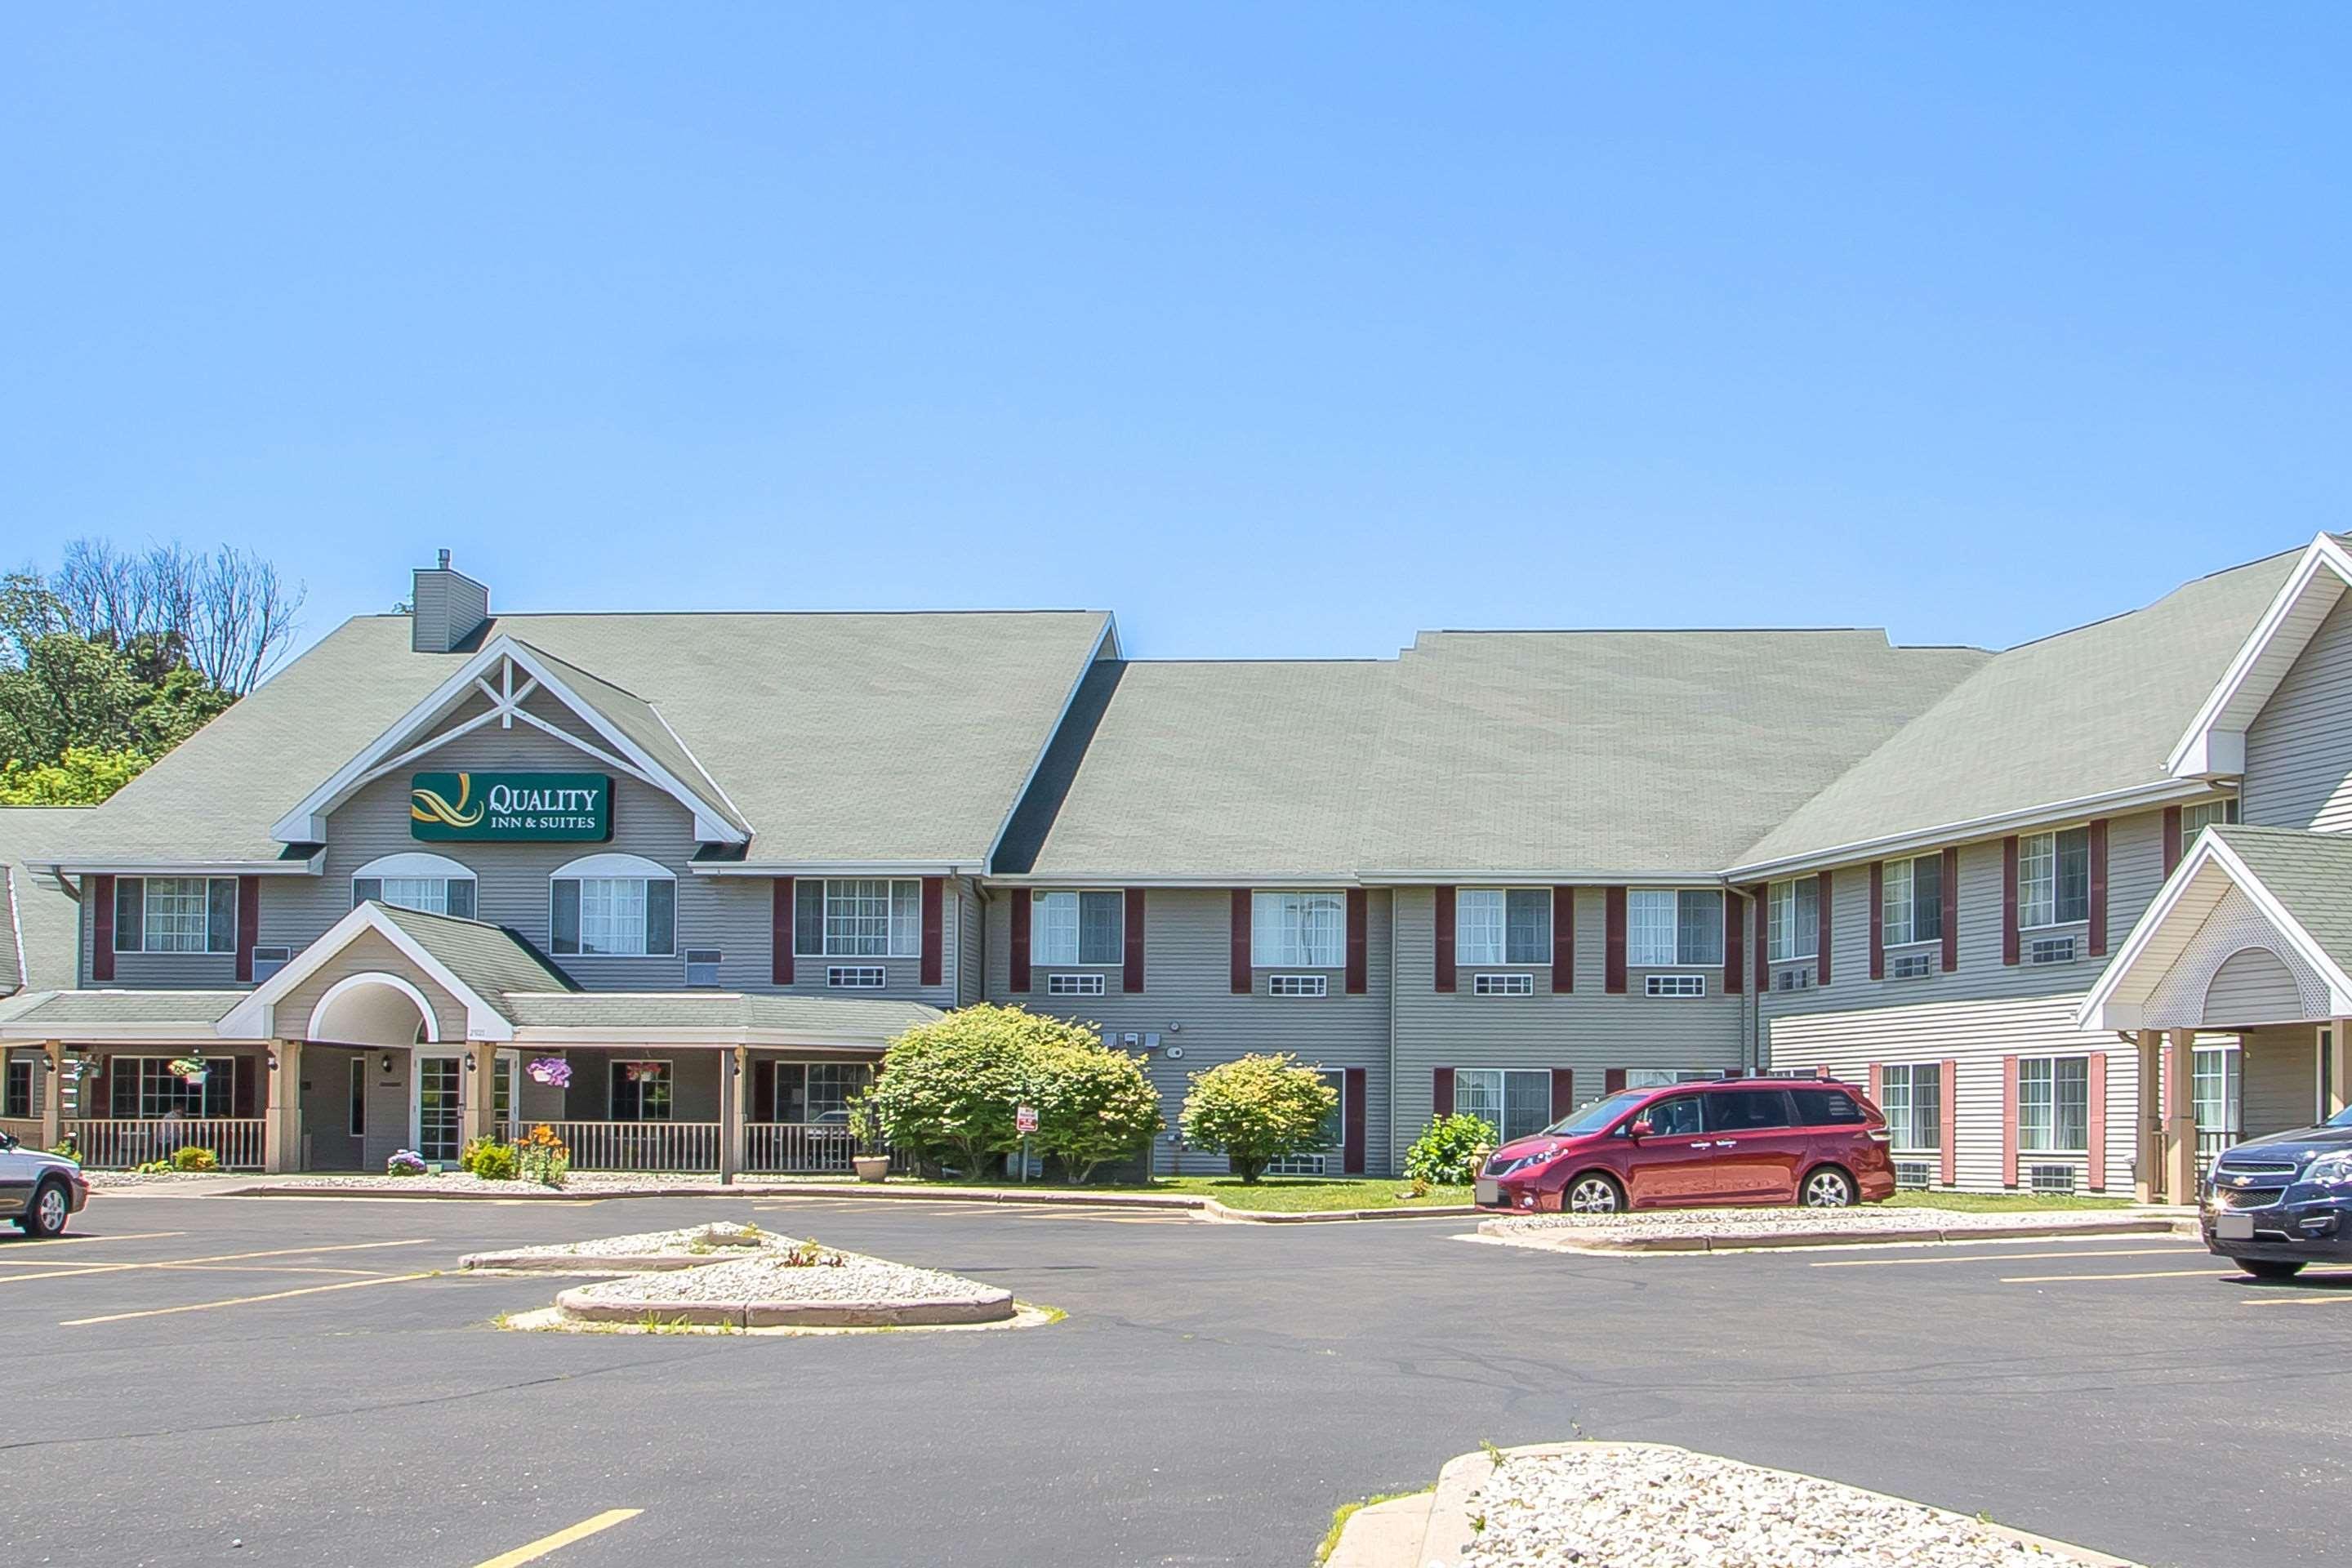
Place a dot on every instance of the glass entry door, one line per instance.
(440, 1110)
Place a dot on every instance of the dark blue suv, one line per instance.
(2281, 1202)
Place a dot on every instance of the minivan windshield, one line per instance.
(1597, 1115)
(2342, 1118)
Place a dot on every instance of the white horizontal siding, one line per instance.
(2299, 747)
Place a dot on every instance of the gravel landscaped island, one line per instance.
(689, 1246)
(799, 1285)
(1639, 1506)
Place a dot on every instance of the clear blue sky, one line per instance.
(1279, 329)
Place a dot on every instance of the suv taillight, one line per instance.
(1881, 1135)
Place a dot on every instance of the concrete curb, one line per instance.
(577, 1263)
(1207, 1206)
(985, 1307)
(1450, 1533)
(2151, 1226)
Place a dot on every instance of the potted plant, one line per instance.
(867, 1157)
(190, 1070)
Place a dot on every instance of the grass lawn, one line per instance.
(2000, 1203)
(1277, 1195)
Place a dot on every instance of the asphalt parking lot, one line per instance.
(298, 1382)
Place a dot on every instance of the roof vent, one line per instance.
(451, 607)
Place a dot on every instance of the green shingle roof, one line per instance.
(490, 960)
(64, 1009)
(2309, 873)
(825, 1017)
(39, 921)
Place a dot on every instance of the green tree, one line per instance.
(1093, 1104)
(1449, 1151)
(80, 777)
(948, 1091)
(1257, 1108)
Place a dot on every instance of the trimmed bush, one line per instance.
(1093, 1104)
(1256, 1109)
(190, 1158)
(1448, 1154)
(490, 1160)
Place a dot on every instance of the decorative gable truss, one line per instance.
(636, 740)
(2215, 744)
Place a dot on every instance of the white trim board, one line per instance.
(255, 1018)
(2214, 744)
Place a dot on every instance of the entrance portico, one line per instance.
(2233, 989)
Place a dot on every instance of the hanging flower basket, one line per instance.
(639, 1071)
(552, 1071)
(190, 1070)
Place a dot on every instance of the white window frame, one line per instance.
(1057, 928)
(1317, 1161)
(1898, 884)
(1666, 1078)
(2222, 1067)
(1485, 930)
(156, 1096)
(1501, 1079)
(615, 1079)
(2037, 881)
(1792, 920)
(1298, 928)
(611, 874)
(2198, 816)
(1898, 1098)
(1642, 922)
(902, 904)
(2042, 1095)
(418, 871)
(207, 938)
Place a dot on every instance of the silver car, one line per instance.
(39, 1191)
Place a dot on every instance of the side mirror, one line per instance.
(1642, 1128)
(8, 1144)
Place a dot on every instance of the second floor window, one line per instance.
(2053, 877)
(1299, 931)
(176, 914)
(1792, 919)
(1503, 925)
(1911, 901)
(2195, 819)
(1077, 927)
(433, 883)
(857, 917)
(614, 906)
(1665, 927)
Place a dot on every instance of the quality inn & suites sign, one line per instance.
(442, 807)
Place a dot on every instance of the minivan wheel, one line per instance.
(1593, 1193)
(2268, 1267)
(47, 1214)
(1829, 1188)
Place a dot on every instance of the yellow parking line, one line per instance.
(215, 1257)
(2275, 1298)
(248, 1301)
(57, 1241)
(1999, 1257)
(538, 1549)
(2145, 1274)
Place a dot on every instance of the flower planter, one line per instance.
(870, 1167)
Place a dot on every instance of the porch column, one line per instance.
(281, 1127)
(2339, 1064)
(2148, 1159)
(2181, 1129)
(481, 1091)
(734, 1112)
(53, 1095)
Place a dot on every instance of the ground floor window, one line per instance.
(2218, 1090)
(17, 1095)
(1331, 1141)
(1912, 1096)
(818, 1092)
(1665, 1077)
(2053, 1105)
(145, 1088)
(640, 1090)
(1516, 1103)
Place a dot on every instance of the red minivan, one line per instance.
(1728, 1140)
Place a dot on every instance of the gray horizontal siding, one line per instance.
(2299, 747)
(1188, 999)
(2279, 1084)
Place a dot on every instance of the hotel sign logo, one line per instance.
(475, 807)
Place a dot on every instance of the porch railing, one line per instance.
(2211, 1142)
(236, 1142)
(638, 1145)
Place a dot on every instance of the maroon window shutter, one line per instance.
(779, 933)
(1359, 942)
(763, 1092)
(101, 954)
(1238, 955)
(1441, 945)
(1614, 1080)
(1613, 943)
(1951, 910)
(2099, 886)
(1950, 1077)
(1877, 920)
(1563, 1092)
(1018, 949)
(1821, 967)
(2172, 844)
(2009, 1122)
(1441, 1091)
(1130, 972)
(1763, 937)
(1563, 939)
(935, 930)
(2097, 1139)
(2008, 902)
(249, 927)
(1735, 942)
(1351, 1115)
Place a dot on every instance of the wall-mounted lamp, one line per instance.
(271, 1057)
(387, 1064)
(469, 1061)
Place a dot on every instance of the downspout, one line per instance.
(1394, 1163)
(1751, 1023)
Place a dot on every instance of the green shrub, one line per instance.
(1256, 1109)
(151, 1167)
(189, 1157)
(1093, 1104)
(1448, 1154)
(948, 1090)
(490, 1160)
